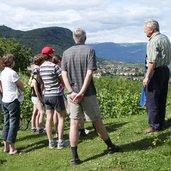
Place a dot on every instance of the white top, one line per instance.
(8, 79)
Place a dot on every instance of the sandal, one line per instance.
(13, 152)
(6, 151)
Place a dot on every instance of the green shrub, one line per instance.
(26, 105)
(118, 96)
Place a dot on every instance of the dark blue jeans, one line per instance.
(156, 94)
(11, 121)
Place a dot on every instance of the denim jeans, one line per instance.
(11, 121)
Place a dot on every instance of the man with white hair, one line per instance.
(157, 75)
(78, 64)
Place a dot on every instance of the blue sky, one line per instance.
(116, 21)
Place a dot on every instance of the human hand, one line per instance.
(72, 95)
(145, 81)
(77, 99)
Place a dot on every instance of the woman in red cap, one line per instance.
(53, 96)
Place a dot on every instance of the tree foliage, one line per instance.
(21, 53)
(57, 37)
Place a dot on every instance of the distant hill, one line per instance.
(57, 37)
(61, 39)
(121, 52)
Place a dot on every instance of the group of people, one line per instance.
(76, 74)
(46, 77)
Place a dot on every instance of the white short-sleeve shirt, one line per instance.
(8, 80)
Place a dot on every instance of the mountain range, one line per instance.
(57, 37)
(121, 52)
(61, 39)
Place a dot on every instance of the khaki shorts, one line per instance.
(88, 107)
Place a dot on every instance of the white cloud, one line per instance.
(54, 4)
(116, 21)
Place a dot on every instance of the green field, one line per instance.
(140, 151)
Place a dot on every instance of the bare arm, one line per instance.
(34, 84)
(61, 79)
(1, 91)
(72, 94)
(66, 81)
(20, 85)
(87, 80)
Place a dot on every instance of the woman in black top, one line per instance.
(38, 101)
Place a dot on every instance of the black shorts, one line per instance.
(54, 103)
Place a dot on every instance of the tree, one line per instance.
(21, 53)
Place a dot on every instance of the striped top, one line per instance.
(159, 50)
(50, 73)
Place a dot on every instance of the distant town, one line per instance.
(129, 70)
(132, 71)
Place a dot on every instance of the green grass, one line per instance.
(141, 151)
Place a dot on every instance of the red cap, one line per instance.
(47, 51)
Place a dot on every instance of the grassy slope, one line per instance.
(140, 151)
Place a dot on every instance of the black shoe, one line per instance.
(76, 161)
(42, 131)
(82, 133)
(113, 149)
(33, 130)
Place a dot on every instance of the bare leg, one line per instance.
(101, 130)
(49, 114)
(37, 120)
(74, 136)
(60, 124)
(41, 115)
(6, 146)
(55, 122)
(33, 119)
(103, 134)
(12, 149)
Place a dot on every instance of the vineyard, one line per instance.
(117, 96)
(125, 121)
